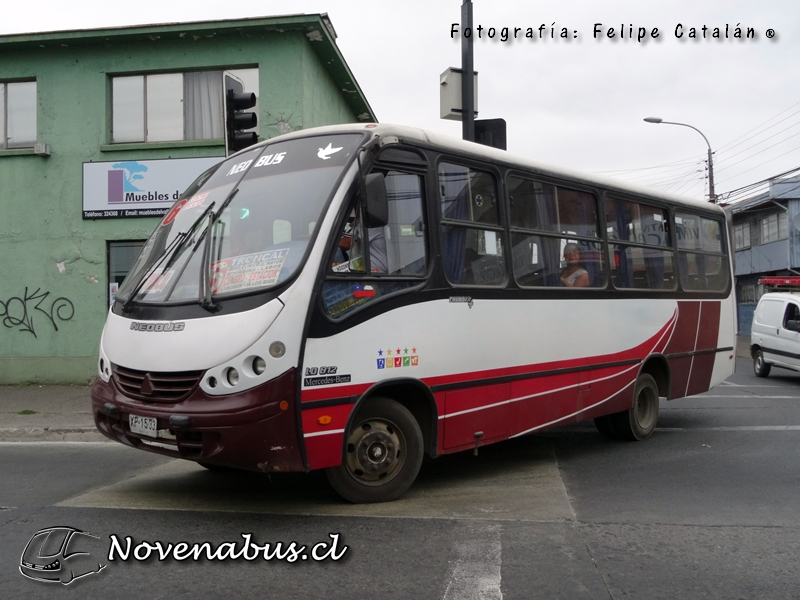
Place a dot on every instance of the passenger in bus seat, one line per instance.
(574, 275)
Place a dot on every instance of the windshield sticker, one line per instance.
(197, 200)
(247, 271)
(157, 281)
(270, 159)
(186, 204)
(239, 167)
(174, 212)
(363, 291)
(325, 153)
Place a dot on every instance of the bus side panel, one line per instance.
(725, 362)
(323, 434)
(693, 349)
(477, 415)
(707, 336)
(680, 367)
(606, 390)
(543, 400)
(681, 346)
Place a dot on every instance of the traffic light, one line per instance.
(237, 121)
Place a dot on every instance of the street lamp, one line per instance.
(712, 197)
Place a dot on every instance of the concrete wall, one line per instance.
(53, 264)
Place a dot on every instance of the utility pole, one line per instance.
(467, 81)
(712, 195)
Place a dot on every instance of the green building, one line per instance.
(101, 129)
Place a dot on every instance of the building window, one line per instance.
(18, 114)
(747, 294)
(774, 228)
(169, 107)
(741, 236)
(121, 256)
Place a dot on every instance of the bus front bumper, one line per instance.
(254, 430)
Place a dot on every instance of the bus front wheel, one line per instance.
(383, 454)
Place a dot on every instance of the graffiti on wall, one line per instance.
(18, 312)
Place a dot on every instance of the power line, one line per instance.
(722, 148)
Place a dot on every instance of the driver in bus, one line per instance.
(574, 274)
(348, 249)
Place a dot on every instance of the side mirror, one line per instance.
(793, 325)
(377, 202)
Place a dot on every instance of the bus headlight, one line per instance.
(259, 365)
(277, 349)
(232, 375)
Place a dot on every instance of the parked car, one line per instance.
(775, 336)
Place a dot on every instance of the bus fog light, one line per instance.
(259, 365)
(277, 349)
(232, 376)
(212, 382)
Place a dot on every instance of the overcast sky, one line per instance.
(578, 101)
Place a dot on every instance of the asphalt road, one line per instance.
(706, 508)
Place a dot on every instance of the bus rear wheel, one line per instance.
(383, 454)
(639, 422)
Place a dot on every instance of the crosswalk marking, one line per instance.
(476, 572)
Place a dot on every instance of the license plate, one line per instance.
(143, 425)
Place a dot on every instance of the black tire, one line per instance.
(216, 468)
(639, 422)
(605, 425)
(383, 454)
(760, 366)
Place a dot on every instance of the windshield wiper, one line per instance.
(206, 301)
(168, 252)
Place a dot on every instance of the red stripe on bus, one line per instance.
(656, 344)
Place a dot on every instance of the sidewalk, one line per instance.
(47, 413)
(63, 413)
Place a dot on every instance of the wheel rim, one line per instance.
(646, 408)
(375, 452)
(759, 362)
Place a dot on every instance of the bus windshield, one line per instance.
(248, 221)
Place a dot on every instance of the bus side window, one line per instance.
(404, 234)
(472, 239)
(701, 255)
(641, 255)
(397, 251)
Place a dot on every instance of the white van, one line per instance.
(775, 337)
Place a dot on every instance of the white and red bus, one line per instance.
(351, 298)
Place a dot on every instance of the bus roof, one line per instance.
(441, 142)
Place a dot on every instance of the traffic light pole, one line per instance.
(467, 77)
(237, 121)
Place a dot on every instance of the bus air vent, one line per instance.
(155, 386)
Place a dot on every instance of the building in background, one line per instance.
(101, 130)
(766, 235)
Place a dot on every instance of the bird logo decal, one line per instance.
(325, 153)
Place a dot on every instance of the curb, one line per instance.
(49, 434)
